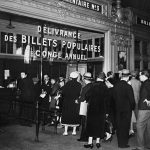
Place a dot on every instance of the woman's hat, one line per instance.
(74, 74)
(88, 76)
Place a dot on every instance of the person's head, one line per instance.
(134, 74)
(79, 78)
(46, 77)
(74, 75)
(101, 76)
(60, 79)
(110, 74)
(61, 83)
(143, 75)
(125, 74)
(87, 77)
(23, 75)
(53, 81)
(35, 80)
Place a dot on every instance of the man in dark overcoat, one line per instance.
(26, 87)
(87, 78)
(124, 104)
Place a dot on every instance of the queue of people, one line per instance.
(115, 105)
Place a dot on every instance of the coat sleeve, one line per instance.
(88, 94)
(131, 97)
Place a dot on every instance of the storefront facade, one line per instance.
(141, 41)
(58, 37)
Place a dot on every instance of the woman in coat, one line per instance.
(96, 98)
(70, 106)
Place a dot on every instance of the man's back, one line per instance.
(123, 96)
(136, 84)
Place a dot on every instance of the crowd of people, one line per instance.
(116, 104)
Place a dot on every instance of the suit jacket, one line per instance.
(144, 94)
(84, 91)
(123, 96)
(27, 89)
(136, 84)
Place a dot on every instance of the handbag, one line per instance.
(83, 108)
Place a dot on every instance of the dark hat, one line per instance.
(88, 76)
(101, 75)
(125, 72)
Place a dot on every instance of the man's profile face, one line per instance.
(23, 75)
(46, 77)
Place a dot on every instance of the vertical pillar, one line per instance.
(76, 49)
(41, 59)
(93, 43)
(107, 53)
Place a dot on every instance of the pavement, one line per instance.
(17, 137)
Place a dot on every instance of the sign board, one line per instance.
(142, 21)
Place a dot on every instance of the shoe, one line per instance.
(124, 146)
(74, 133)
(88, 145)
(98, 145)
(108, 140)
(65, 134)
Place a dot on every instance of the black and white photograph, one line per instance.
(74, 74)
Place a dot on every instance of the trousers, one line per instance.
(143, 129)
(123, 120)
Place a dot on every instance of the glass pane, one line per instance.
(144, 48)
(122, 59)
(102, 46)
(97, 43)
(3, 42)
(137, 47)
(10, 44)
(89, 52)
(7, 40)
(137, 64)
(145, 65)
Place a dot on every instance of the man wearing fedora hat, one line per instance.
(124, 104)
(87, 79)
